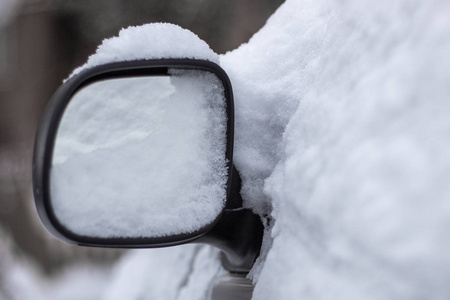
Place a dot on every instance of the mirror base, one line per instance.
(239, 235)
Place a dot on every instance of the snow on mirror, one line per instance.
(141, 156)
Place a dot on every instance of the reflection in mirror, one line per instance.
(141, 156)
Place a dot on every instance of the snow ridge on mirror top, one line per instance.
(150, 41)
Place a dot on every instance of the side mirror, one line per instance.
(140, 154)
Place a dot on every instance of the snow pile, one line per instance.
(150, 41)
(357, 174)
(142, 156)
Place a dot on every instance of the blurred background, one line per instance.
(41, 42)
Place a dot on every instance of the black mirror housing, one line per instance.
(46, 135)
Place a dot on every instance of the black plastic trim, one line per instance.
(239, 235)
(47, 131)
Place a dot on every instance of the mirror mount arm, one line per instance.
(238, 233)
(235, 198)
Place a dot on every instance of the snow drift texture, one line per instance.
(150, 41)
(342, 135)
(343, 128)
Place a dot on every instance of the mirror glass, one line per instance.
(141, 156)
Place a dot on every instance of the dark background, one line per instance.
(41, 42)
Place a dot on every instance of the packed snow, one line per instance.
(142, 156)
(343, 128)
(150, 41)
(342, 138)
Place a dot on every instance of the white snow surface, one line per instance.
(142, 156)
(342, 113)
(342, 136)
(150, 41)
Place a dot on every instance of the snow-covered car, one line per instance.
(341, 137)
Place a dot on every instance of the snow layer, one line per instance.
(343, 128)
(150, 41)
(142, 156)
